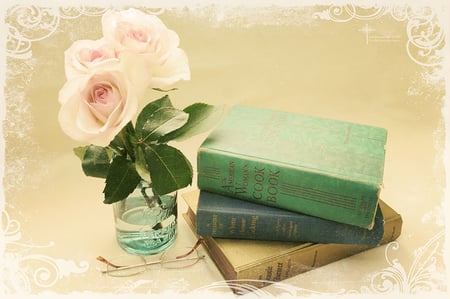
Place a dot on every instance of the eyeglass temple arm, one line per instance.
(197, 244)
(103, 260)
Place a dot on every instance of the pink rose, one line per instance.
(96, 106)
(134, 32)
(85, 54)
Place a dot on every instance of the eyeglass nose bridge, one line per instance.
(118, 267)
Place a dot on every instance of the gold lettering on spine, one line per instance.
(233, 226)
(272, 188)
(253, 222)
(228, 181)
(288, 268)
(279, 271)
(265, 188)
(242, 229)
(258, 185)
(269, 273)
(243, 185)
(214, 224)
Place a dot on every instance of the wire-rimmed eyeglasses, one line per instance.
(128, 265)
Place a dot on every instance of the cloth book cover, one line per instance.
(224, 217)
(260, 263)
(321, 167)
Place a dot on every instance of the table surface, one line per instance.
(378, 66)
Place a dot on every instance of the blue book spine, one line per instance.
(220, 216)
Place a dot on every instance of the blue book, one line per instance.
(220, 216)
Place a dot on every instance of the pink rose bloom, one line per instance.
(85, 54)
(96, 106)
(136, 33)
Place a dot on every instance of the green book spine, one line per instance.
(321, 167)
(223, 217)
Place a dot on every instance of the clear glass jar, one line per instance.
(146, 223)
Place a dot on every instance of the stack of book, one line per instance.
(283, 193)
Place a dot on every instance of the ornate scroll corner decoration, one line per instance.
(10, 229)
(28, 24)
(246, 286)
(426, 37)
(21, 273)
(425, 273)
(277, 288)
(348, 12)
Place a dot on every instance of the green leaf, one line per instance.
(96, 161)
(79, 151)
(151, 108)
(170, 170)
(202, 117)
(162, 122)
(124, 141)
(141, 164)
(122, 179)
(165, 90)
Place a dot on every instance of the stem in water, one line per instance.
(154, 200)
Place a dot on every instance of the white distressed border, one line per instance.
(443, 16)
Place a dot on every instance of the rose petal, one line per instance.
(175, 68)
(84, 54)
(96, 122)
(138, 71)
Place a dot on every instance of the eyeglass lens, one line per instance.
(128, 265)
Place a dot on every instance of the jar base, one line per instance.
(145, 243)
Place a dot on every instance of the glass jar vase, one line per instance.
(146, 223)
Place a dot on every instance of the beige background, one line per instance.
(383, 66)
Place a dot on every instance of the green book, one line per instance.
(321, 167)
(224, 217)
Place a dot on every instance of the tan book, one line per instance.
(260, 263)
